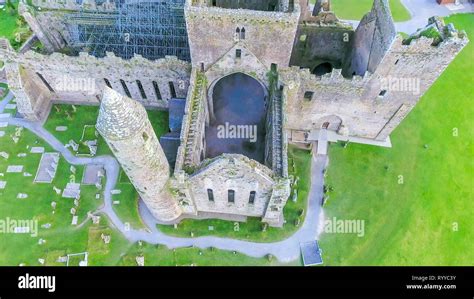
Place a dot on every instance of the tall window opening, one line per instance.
(252, 197)
(157, 91)
(45, 82)
(125, 88)
(231, 196)
(210, 194)
(142, 90)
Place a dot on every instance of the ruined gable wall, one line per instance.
(372, 39)
(232, 172)
(212, 33)
(32, 97)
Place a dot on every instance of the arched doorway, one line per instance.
(238, 122)
(323, 68)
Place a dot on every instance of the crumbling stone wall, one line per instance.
(32, 96)
(108, 5)
(212, 32)
(81, 79)
(315, 44)
(366, 106)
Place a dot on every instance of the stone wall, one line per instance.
(372, 39)
(108, 5)
(316, 43)
(212, 33)
(192, 148)
(81, 79)
(373, 105)
(232, 172)
(32, 96)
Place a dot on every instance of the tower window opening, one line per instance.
(107, 82)
(242, 33)
(238, 53)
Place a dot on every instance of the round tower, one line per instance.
(125, 127)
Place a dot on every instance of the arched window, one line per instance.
(237, 31)
(242, 33)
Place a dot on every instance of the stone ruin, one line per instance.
(319, 74)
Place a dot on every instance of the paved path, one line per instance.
(421, 11)
(285, 251)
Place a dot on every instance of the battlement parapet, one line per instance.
(238, 15)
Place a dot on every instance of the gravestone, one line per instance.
(3, 124)
(3, 184)
(47, 168)
(4, 155)
(22, 195)
(37, 150)
(61, 128)
(74, 220)
(72, 190)
(2, 133)
(15, 168)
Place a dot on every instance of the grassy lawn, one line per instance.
(426, 219)
(13, 27)
(356, 9)
(299, 166)
(80, 121)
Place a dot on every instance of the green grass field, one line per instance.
(356, 9)
(13, 27)
(427, 220)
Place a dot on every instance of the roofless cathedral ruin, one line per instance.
(274, 66)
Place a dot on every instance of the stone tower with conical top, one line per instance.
(125, 126)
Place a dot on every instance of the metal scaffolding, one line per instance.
(152, 28)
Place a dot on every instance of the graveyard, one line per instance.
(39, 184)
